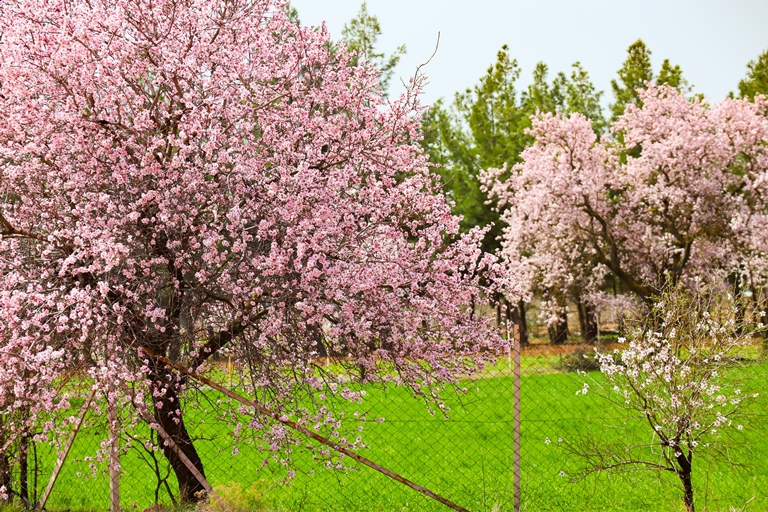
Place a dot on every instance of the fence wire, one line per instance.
(465, 453)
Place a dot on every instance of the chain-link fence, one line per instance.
(465, 453)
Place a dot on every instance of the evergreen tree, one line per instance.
(582, 97)
(636, 73)
(633, 75)
(483, 127)
(672, 76)
(540, 95)
(361, 34)
(756, 81)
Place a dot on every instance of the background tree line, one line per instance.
(486, 127)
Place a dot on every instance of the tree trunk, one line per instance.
(736, 282)
(587, 322)
(5, 468)
(24, 468)
(759, 315)
(684, 473)
(517, 316)
(523, 323)
(190, 489)
(558, 333)
(685, 478)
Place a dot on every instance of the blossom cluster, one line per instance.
(675, 370)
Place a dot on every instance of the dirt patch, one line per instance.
(537, 348)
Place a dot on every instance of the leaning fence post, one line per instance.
(144, 415)
(185, 460)
(291, 424)
(63, 457)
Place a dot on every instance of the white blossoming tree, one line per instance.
(676, 372)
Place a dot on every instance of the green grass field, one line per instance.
(467, 458)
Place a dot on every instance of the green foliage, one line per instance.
(482, 128)
(485, 127)
(636, 72)
(452, 150)
(566, 94)
(633, 75)
(493, 115)
(756, 81)
(672, 76)
(361, 34)
(582, 97)
(540, 95)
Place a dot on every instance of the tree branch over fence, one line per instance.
(305, 431)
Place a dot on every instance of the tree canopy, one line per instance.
(182, 179)
(687, 203)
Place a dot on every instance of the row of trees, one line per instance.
(679, 194)
(490, 127)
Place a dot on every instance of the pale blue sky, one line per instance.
(712, 41)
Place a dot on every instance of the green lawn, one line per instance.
(467, 458)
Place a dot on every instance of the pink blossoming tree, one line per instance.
(192, 177)
(682, 194)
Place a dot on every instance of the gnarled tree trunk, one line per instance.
(517, 316)
(165, 408)
(24, 467)
(684, 473)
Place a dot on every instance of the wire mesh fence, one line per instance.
(465, 452)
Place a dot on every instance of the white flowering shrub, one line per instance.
(672, 371)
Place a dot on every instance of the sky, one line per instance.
(712, 41)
